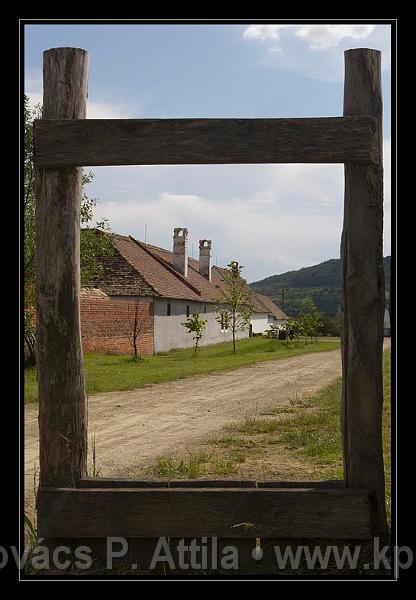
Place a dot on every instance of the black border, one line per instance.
(12, 510)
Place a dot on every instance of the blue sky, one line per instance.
(271, 218)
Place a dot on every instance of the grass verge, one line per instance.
(308, 431)
(315, 434)
(110, 373)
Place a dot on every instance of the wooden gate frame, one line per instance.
(73, 506)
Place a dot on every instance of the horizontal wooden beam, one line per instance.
(111, 482)
(195, 512)
(120, 482)
(95, 142)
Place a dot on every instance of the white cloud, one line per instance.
(264, 241)
(315, 51)
(272, 218)
(264, 32)
(319, 37)
(322, 37)
(107, 110)
(96, 109)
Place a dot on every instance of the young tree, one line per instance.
(311, 320)
(93, 246)
(196, 326)
(235, 304)
(137, 324)
(293, 329)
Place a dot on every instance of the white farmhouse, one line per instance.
(171, 286)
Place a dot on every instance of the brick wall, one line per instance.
(106, 325)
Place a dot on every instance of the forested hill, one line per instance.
(321, 283)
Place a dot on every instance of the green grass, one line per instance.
(253, 426)
(110, 373)
(166, 467)
(316, 434)
(224, 466)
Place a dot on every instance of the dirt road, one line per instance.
(132, 428)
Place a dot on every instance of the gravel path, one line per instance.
(132, 428)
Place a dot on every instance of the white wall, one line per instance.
(274, 321)
(169, 332)
(259, 322)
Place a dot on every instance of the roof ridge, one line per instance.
(167, 265)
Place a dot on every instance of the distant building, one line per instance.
(171, 286)
(270, 314)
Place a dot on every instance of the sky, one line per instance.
(270, 218)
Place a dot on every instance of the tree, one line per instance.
(311, 320)
(29, 242)
(330, 326)
(196, 326)
(93, 246)
(293, 329)
(137, 324)
(235, 303)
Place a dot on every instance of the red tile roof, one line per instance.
(269, 307)
(139, 268)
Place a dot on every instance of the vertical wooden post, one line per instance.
(62, 404)
(362, 310)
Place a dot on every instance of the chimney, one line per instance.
(180, 250)
(205, 258)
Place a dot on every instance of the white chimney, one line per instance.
(205, 258)
(180, 250)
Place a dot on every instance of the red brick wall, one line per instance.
(106, 325)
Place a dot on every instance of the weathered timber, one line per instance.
(198, 512)
(64, 141)
(198, 141)
(115, 482)
(62, 406)
(213, 483)
(119, 482)
(362, 309)
(325, 483)
(110, 482)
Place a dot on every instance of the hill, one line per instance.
(320, 283)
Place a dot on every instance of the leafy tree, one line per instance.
(235, 304)
(92, 247)
(311, 321)
(293, 329)
(330, 326)
(196, 326)
(273, 331)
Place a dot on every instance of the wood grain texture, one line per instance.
(62, 406)
(119, 482)
(362, 309)
(197, 512)
(198, 141)
(109, 482)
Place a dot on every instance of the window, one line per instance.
(187, 311)
(169, 309)
(205, 308)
